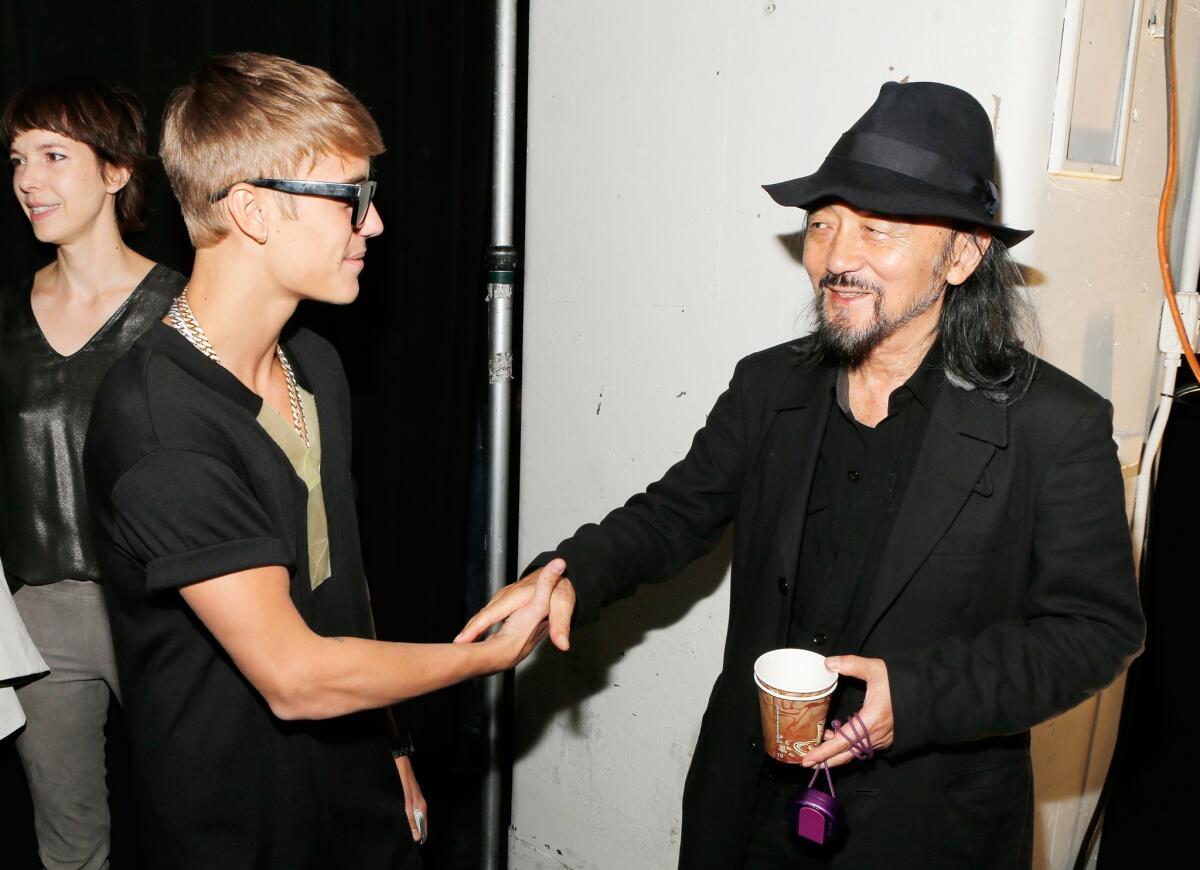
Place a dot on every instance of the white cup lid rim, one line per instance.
(794, 671)
(795, 696)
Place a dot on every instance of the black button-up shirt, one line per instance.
(860, 478)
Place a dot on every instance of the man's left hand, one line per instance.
(876, 712)
(413, 799)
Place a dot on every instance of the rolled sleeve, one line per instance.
(189, 516)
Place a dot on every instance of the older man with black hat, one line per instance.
(915, 495)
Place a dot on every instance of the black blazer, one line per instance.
(1005, 594)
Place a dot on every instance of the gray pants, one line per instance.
(62, 746)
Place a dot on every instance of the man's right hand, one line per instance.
(512, 598)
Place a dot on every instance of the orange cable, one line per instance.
(1164, 205)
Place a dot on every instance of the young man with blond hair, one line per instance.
(219, 466)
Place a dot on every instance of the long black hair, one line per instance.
(980, 328)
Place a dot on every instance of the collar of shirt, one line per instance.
(923, 384)
(167, 340)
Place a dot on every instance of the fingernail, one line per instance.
(833, 664)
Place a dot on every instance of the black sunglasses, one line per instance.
(360, 195)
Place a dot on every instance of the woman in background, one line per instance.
(77, 150)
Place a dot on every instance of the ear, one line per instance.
(116, 177)
(249, 213)
(966, 253)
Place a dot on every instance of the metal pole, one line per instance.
(501, 265)
(505, 122)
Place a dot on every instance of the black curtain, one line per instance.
(413, 342)
(1147, 800)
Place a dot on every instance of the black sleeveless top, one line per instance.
(45, 405)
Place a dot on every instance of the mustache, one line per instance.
(848, 281)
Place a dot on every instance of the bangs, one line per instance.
(53, 106)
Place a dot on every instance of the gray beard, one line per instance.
(851, 346)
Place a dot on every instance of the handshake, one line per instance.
(539, 603)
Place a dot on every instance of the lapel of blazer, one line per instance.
(964, 431)
(801, 410)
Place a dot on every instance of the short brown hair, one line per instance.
(250, 115)
(107, 118)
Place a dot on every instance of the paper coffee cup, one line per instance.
(793, 700)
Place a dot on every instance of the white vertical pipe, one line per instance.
(1189, 272)
(1189, 269)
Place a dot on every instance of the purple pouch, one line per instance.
(817, 815)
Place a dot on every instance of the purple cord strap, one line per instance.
(828, 779)
(861, 746)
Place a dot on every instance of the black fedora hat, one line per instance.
(923, 149)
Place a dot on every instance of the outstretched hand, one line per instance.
(525, 625)
(512, 598)
(876, 712)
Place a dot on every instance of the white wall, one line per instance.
(654, 262)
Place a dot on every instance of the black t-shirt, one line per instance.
(186, 485)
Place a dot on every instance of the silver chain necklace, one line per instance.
(185, 323)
